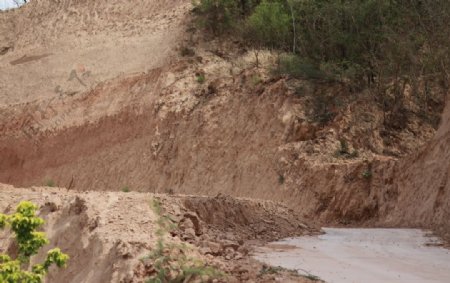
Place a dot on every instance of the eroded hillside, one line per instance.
(103, 95)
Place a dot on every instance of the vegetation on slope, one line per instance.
(171, 262)
(394, 49)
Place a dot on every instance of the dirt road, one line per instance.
(363, 255)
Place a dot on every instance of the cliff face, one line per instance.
(422, 184)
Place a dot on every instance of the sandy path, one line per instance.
(363, 255)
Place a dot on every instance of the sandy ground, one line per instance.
(363, 255)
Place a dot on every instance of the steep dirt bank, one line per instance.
(168, 133)
(418, 193)
(106, 240)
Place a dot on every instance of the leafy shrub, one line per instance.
(50, 183)
(256, 80)
(201, 78)
(269, 25)
(344, 150)
(217, 15)
(367, 174)
(187, 52)
(297, 67)
(358, 40)
(363, 44)
(24, 224)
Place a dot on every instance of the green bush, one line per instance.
(24, 224)
(362, 41)
(217, 15)
(201, 78)
(297, 67)
(269, 25)
(50, 183)
(383, 46)
(365, 40)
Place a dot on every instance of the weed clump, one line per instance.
(50, 183)
(281, 179)
(344, 152)
(201, 78)
(367, 174)
(171, 262)
(187, 52)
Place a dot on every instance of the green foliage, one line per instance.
(297, 67)
(312, 277)
(24, 224)
(344, 151)
(216, 15)
(50, 183)
(362, 41)
(269, 25)
(273, 270)
(322, 107)
(256, 80)
(171, 262)
(201, 78)
(343, 147)
(367, 174)
(126, 189)
(389, 48)
(293, 272)
(187, 52)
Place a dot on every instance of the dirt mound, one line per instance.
(93, 228)
(100, 230)
(263, 221)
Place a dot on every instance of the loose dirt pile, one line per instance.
(108, 234)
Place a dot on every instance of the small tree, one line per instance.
(24, 223)
(269, 25)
